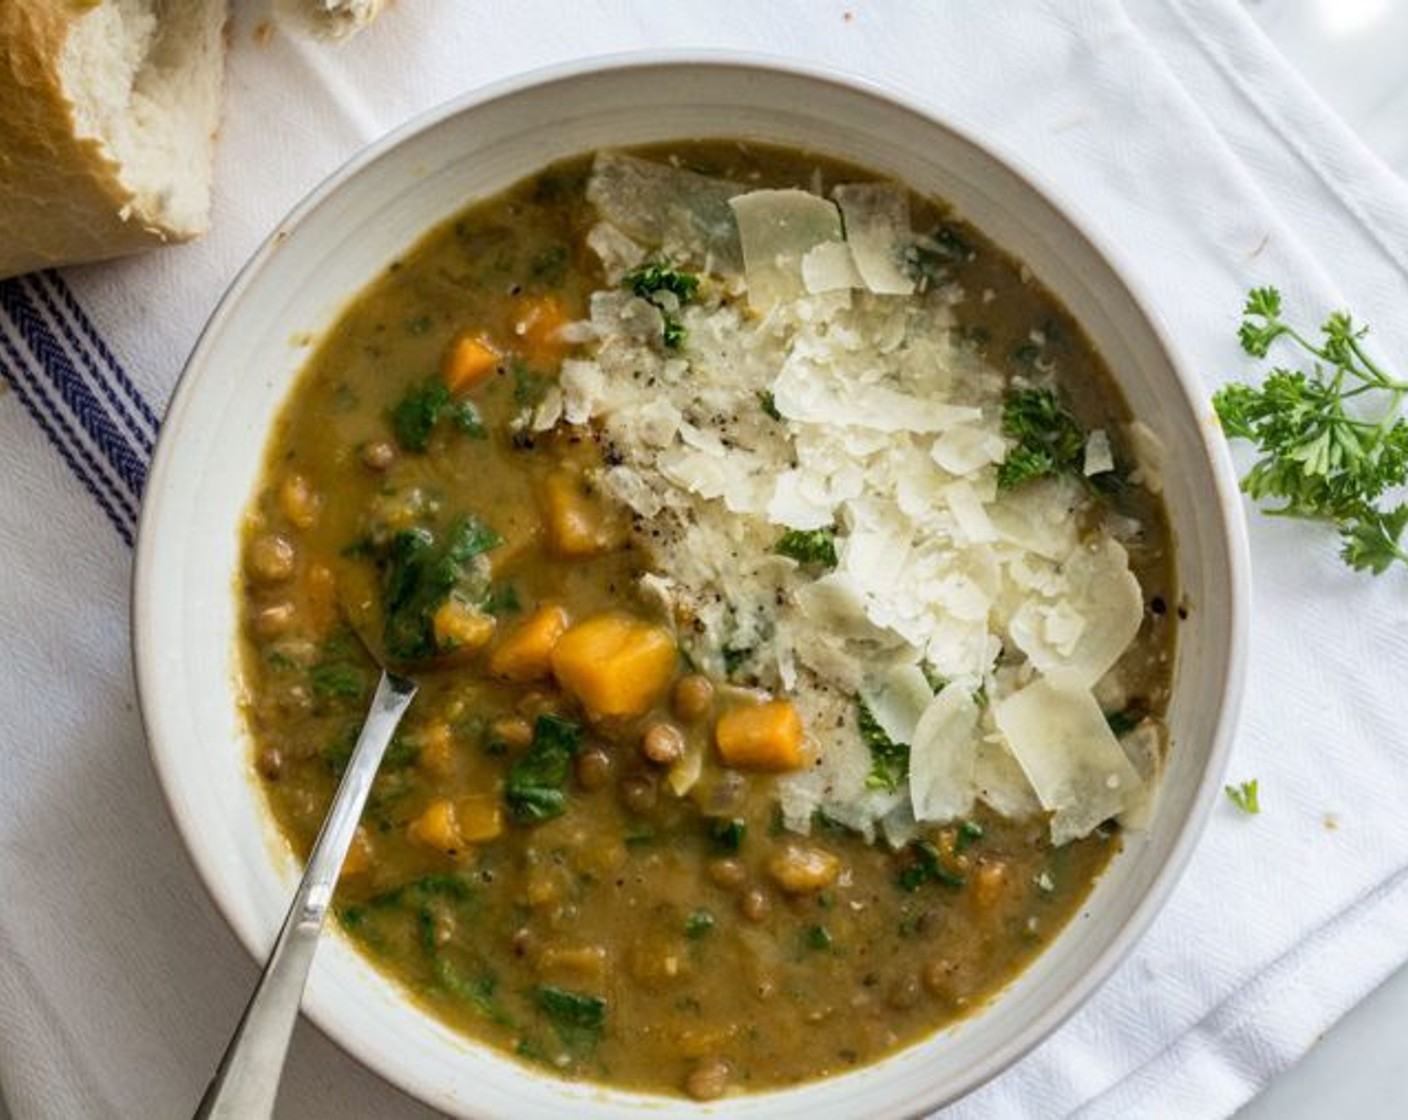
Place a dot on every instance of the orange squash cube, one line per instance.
(537, 325)
(616, 665)
(461, 628)
(765, 737)
(525, 654)
(576, 522)
(469, 362)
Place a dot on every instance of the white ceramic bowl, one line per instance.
(339, 239)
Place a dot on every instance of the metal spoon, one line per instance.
(247, 1081)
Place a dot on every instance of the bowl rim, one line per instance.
(1230, 524)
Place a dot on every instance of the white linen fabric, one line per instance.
(1179, 133)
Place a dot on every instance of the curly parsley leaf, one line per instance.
(808, 546)
(1244, 796)
(1047, 440)
(650, 281)
(1332, 443)
(889, 761)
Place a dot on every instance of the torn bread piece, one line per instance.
(111, 109)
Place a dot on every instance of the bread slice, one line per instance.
(328, 19)
(108, 113)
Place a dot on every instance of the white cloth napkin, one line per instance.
(1172, 125)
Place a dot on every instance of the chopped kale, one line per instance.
(477, 991)
(727, 835)
(889, 761)
(698, 923)
(817, 938)
(1047, 439)
(968, 833)
(769, 403)
(534, 786)
(337, 681)
(578, 1019)
(417, 413)
(925, 864)
(809, 546)
(421, 573)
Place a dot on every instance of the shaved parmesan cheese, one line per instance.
(943, 757)
(1065, 747)
(965, 448)
(877, 230)
(846, 406)
(1079, 637)
(968, 512)
(777, 229)
(1098, 457)
(828, 267)
(665, 207)
(1002, 785)
(1148, 456)
(897, 699)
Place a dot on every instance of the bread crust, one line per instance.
(61, 198)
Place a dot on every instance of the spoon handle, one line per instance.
(247, 1081)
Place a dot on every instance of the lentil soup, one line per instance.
(694, 799)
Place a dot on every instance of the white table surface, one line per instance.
(1351, 53)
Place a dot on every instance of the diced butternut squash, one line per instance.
(616, 665)
(525, 653)
(437, 827)
(469, 362)
(537, 326)
(437, 750)
(359, 854)
(480, 817)
(577, 523)
(761, 737)
(461, 628)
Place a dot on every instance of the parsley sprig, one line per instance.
(1244, 796)
(1047, 439)
(1333, 444)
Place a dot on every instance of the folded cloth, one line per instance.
(1179, 134)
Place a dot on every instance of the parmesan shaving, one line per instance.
(1065, 747)
(882, 432)
(877, 230)
(943, 757)
(777, 230)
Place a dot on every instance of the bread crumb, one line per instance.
(1332, 822)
